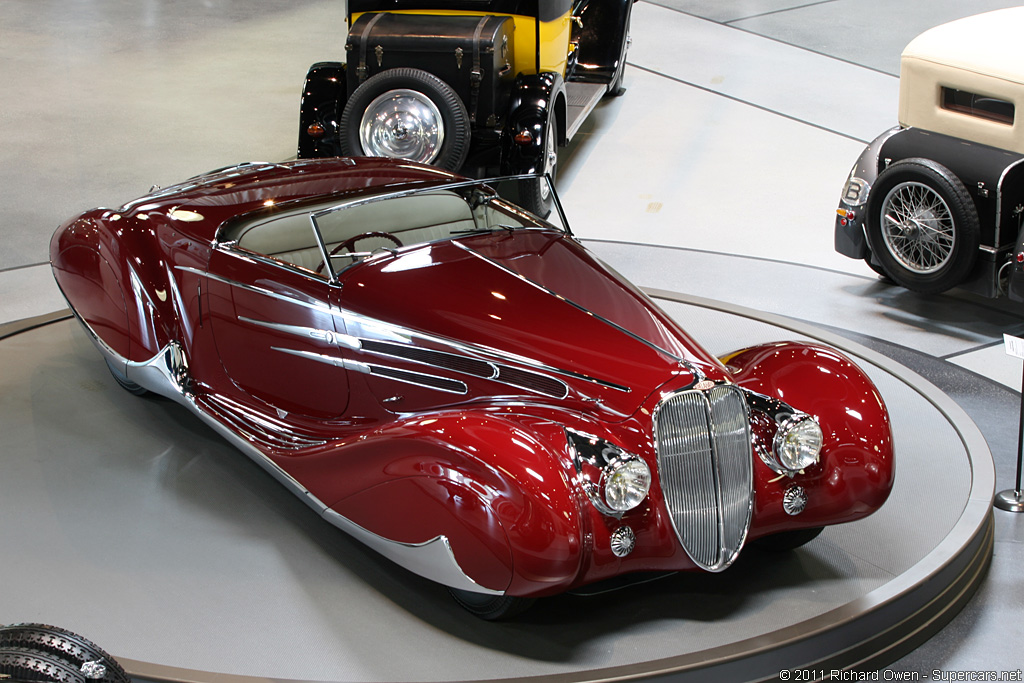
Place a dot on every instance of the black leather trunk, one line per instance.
(472, 54)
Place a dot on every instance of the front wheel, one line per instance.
(787, 540)
(615, 88)
(406, 114)
(491, 607)
(922, 226)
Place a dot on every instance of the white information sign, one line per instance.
(1014, 346)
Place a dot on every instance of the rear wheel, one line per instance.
(491, 607)
(406, 114)
(125, 383)
(535, 194)
(922, 226)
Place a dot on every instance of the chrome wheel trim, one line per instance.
(402, 124)
(550, 160)
(918, 228)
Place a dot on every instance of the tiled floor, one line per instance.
(726, 157)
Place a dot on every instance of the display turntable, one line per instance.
(127, 520)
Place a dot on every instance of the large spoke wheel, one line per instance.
(406, 114)
(923, 226)
(535, 194)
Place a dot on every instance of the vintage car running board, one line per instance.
(581, 98)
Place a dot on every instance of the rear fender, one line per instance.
(118, 284)
(91, 284)
(856, 470)
(497, 491)
(535, 98)
(323, 97)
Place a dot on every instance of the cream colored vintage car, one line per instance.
(937, 201)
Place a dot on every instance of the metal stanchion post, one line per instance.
(1012, 500)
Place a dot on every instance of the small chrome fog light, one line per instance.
(795, 500)
(623, 541)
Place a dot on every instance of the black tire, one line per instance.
(414, 86)
(878, 270)
(491, 607)
(787, 540)
(57, 644)
(615, 88)
(534, 194)
(22, 664)
(922, 226)
(125, 383)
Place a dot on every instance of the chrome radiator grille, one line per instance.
(706, 470)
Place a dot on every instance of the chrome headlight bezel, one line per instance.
(798, 441)
(615, 480)
(625, 483)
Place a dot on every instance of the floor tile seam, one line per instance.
(773, 39)
(980, 303)
(964, 352)
(740, 100)
(778, 11)
(726, 254)
(878, 344)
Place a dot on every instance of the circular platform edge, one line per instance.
(865, 634)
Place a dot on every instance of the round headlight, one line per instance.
(625, 484)
(798, 442)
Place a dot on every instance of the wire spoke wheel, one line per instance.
(918, 227)
(922, 226)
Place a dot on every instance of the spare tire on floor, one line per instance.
(39, 652)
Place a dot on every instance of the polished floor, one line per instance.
(716, 174)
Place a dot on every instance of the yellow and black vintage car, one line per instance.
(485, 87)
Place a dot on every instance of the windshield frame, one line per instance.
(487, 183)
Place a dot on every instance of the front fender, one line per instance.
(494, 488)
(534, 99)
(856, 470)
(605, 29)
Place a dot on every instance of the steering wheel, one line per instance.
(351, 242)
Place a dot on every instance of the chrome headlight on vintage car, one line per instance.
(798, 442)
(615, 480)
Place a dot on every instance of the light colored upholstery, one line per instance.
(414, 219)
(981, 54)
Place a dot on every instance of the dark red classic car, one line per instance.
(461, 385)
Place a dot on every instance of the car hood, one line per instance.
(535, 298)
